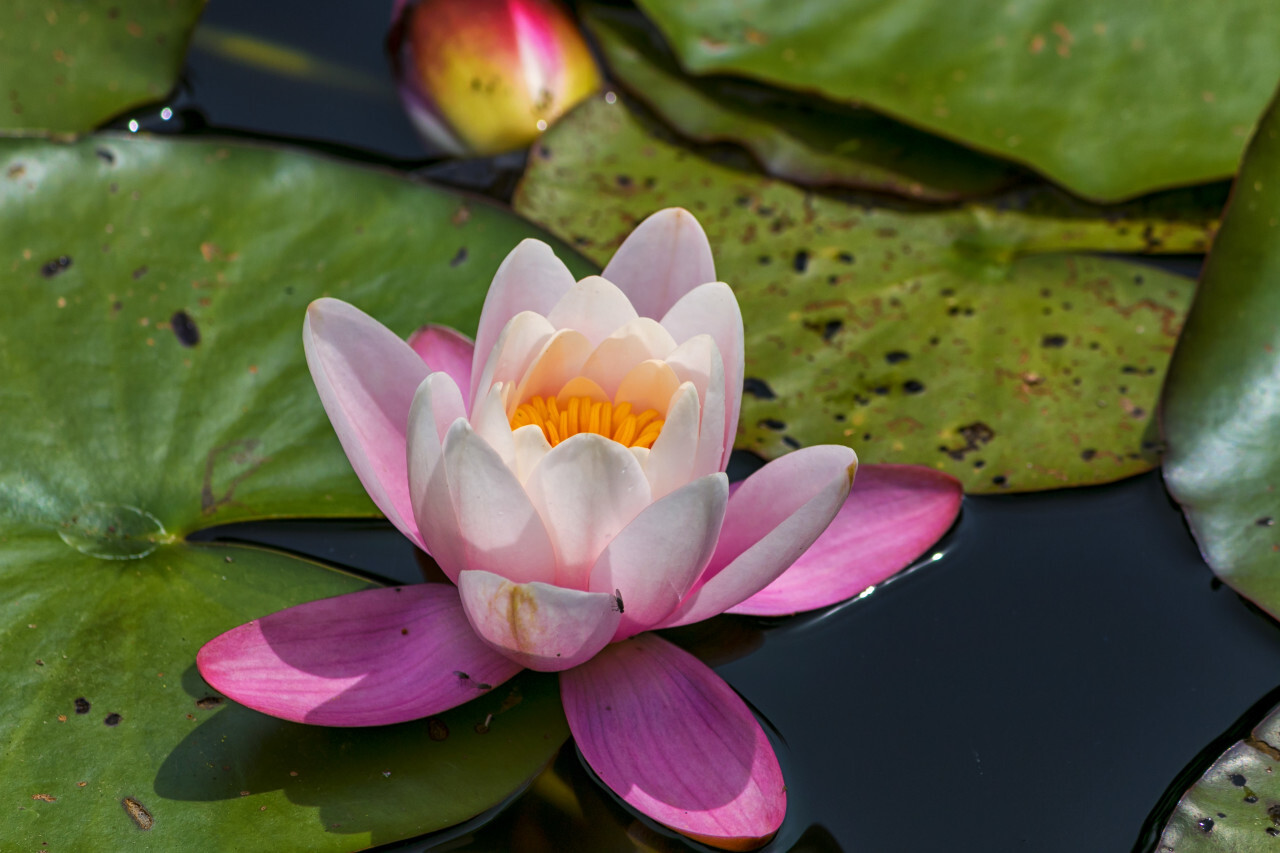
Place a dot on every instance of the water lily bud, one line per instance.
(486, 76)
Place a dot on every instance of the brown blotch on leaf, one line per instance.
(46, 798)
(208, 702)
(437, 729)
(112, 720)
(975, 435)
(138, 813)
(82, 705)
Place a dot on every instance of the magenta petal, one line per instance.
(367, 658)
(443, 348)
(892, 515)
(366, 377)
(673, 740)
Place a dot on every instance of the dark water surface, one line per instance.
(1039, 687)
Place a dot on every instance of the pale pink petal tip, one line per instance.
(669, 737)
(446, 349)
(665, 257)
(366, 377)
(893, 514)
(367, 658)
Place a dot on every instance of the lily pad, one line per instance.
(802, 138)
(66, 66)
(1111, 100)
(1235, 805)
(987, 340)
(154, 386)
(1222, 402)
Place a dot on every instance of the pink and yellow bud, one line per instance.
(486, 76)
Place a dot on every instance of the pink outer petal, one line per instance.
(664, 258)
(770, 521)
(366, 377)
(531, 278)
(538, 625)
(892, 515)
(656, 558)
(673, 740)
(436, 406)
(443, 348)
(368, 658)
(712, 309)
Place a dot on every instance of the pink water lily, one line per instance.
(567, 473)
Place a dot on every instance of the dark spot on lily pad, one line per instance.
(757, 388)
(896, 356)
(801, 261)
(999, 480)
(112, 720)
(1265, 521)
(1053, 341)
(773, 423)
(623, 180)
(106, 155)
(58, 265)
(207, 702)
(831, 329)
(791, 442)
(82, 705)
(140, 272)
(1205, 824)
(437, 729)
(185, 329)
(1088, 453)
(844, 258)
(460, 257)
(913, 386)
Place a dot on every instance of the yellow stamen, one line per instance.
(584, 415)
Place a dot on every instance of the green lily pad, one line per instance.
(1235, 805)
(155, 385)
(802, 138)
(1109, 99)
(66, 66)
(984, 340)
(1222, 402)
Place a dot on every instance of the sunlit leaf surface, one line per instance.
(154, 385)
(1109, 99)
(66, 66)
(988, 340)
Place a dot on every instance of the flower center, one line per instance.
(582, 414)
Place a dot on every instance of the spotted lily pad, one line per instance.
(66, 66)
(1235, 805)
(988, 340)
(802, 138)
(154, 385)
(1110, 99)
(1222, 403)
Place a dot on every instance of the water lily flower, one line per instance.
(566, 471)
(485, 76)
